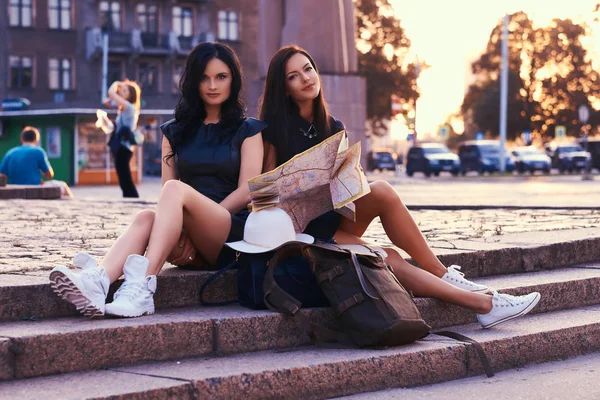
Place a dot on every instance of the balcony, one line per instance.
(137, 43)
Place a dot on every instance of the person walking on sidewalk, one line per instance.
(210, 150)
(28, 163)
(127, 96)
(294, 108)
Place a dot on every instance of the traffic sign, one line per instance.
(15, 104)
(396, 105)
(584, 113)
(444, 132)
(560, 131)
(527, 137)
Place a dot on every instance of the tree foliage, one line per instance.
(382, 50)
(550, 76)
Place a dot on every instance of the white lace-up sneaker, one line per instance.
(87, 289)
(457, 278)
(135, 297)
(506, 307)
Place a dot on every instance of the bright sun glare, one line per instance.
(449, 35)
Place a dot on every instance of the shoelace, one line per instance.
(130, 289)
(455, 269)
(506, 298)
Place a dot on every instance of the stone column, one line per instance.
(327, 30)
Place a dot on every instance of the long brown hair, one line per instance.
(277, 108)
(135, 93)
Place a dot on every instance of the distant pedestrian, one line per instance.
(28, 163)
(127, 96)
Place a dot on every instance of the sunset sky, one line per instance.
(448, 36)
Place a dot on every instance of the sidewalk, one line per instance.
(37, 235)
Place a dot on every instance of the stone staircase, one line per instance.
(190, 352)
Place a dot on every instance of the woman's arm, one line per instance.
(168, 171)
(112, 94)
(252, 160)
(270, 159)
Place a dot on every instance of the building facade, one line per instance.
(51, 54)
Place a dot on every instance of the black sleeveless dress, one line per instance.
(302, 136)
(209, 161)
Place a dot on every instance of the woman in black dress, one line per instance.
(210, 150)
(294, 108)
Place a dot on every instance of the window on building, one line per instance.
(183, 21)
(110, 15)
(21, 72)
(114, 71)
(59, 14)
(60, 74)
(148, 78)
(21, 13)
(177, 72)
(147, 17)
(228, 25)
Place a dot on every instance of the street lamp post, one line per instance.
(504, 93)
(417, 73)
(584, 115)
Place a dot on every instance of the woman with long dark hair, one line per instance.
(127, 97)
(295, 110)
(210, 150)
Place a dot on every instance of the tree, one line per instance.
(382, 50)
(550, 75)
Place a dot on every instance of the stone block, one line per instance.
(7, 361)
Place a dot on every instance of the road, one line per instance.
(561, 191)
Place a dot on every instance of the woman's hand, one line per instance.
(184, 252)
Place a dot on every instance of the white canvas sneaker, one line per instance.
(506, 307)
(87, 289)
(135, 297)
(83, 260)
(457, 278)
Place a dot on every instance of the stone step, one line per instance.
(61, 345)
(29, 192)
(321, 372)
(29, 295)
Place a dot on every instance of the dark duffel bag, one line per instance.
(294, 275)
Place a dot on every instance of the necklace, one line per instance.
(308, 133)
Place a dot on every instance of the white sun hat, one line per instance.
(267, 230)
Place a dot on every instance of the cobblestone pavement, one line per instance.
(35, 235)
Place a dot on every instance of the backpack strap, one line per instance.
(462, 338)
(278, 300)
(211, 279)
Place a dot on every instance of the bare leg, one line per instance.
(424, 284)
(180, 206)
(398, 223)
(133, 241)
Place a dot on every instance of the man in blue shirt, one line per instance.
(28, 163)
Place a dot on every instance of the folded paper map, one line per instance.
(325, 177)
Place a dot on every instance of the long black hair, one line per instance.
(277, 109)
(190, 111)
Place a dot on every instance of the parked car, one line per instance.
(431, 158)
(482, 156)
(593, 147)
(381, 160)
(530, 159)
(568, 157)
